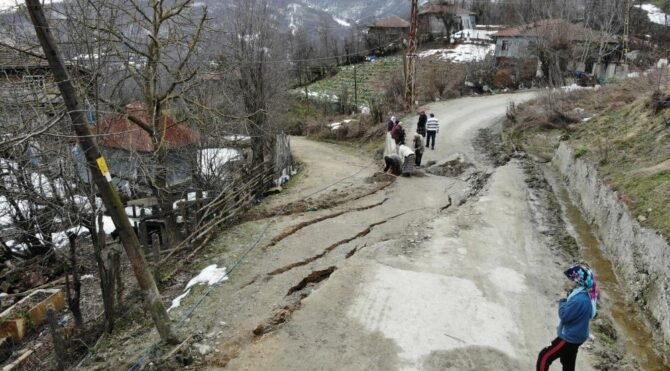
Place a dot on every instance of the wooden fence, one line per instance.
(208, 211)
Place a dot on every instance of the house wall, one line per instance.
(138, 168)
(27, 87)
(432, 24)
(381, 37)
(516, 47)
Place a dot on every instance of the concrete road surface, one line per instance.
(470, 287)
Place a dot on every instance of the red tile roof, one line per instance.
(552, 27)
(391, 22)
(119, 132)
(444, 9)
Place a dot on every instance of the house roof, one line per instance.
(119, 132)
(444, 9)
(553, 27)
(10, 58)
(391, 22)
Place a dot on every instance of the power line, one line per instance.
(142, 359)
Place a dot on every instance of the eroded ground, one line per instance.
(425, 273)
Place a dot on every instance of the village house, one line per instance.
(129, 150)
(387, 33)
(29, 94)
(438, 20)
(25, 79)
(551, 48)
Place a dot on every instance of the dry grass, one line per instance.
(626, 134)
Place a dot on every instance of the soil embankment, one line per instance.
(640, 256)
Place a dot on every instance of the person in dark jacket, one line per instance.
(398, 133)
(418, 148)
(421, 125)
(575, 311)
(391, 123)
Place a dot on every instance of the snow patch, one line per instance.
(213, 159)
(211, 275)
(176, 302)
(461, 53)
(473, 34)
(342, 22)
(655, 14)
(573, 87)
(237, 138)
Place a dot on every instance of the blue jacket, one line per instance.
(575, 314)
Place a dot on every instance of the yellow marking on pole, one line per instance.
(102, 165)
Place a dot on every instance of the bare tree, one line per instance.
(144, 51)
(255, 70)
(99, 172)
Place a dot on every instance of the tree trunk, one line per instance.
(73, 291)
(165, 203)
(105, 272)
(152, 299)
(56, 338)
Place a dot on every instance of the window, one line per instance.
(505, 45)
(34, 82)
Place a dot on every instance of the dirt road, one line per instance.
(401, 279)
(425, 273)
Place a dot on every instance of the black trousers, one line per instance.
(418, 155)
(559, 348)
(430, 134)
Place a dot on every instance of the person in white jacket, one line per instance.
(432, 128)
(408, 158)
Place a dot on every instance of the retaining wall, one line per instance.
(640, 256)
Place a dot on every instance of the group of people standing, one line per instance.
(578, 306)
(403, 160)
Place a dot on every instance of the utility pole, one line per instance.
(355, 88)
(100, 174)
(410, 58)
(626, 31)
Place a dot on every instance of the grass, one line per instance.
(625, 139)
(630, 145)
(370, 79)
(374, 78)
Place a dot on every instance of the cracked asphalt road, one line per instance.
(472, 287)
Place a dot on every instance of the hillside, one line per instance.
(441, 74)
(617, 128)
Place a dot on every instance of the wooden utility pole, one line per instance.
(410, 58)
(100, 173)
(626, 31)
(355, 88)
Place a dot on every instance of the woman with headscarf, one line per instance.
(575, 311)
(398, 133)
(391, 123)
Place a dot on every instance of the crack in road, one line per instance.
(330, 248)
(292, 230)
